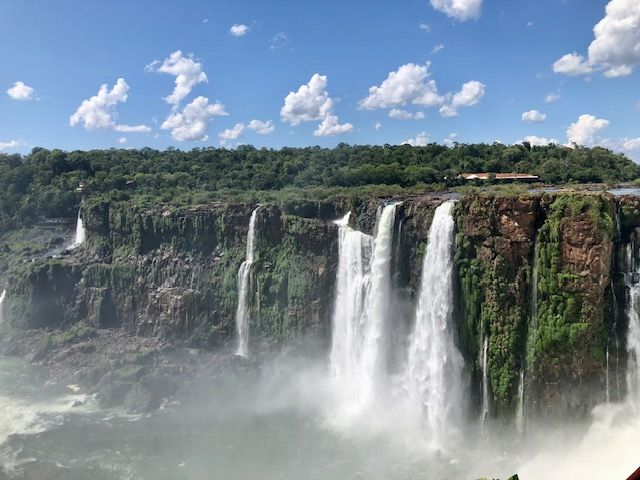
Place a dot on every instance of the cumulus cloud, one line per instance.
(585, 130)
(469, 95)
(450, 140)
(231, 133)
(239, 29)
(260, 127)
(616, 45)
(572, 64)
(99, 111)
(377, 125)
(421, 140)
(400, 114)
(20, 91)
(461, 10)
(541, 141)
(330, 127)
(631, 144)
(191, 123)
(410, 84)
(187, 71)
(533, 116)
(552, 97)
(311, 102)
(424, 27)
(10, 144)
(122, 140)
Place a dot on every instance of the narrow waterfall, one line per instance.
(80, 233)
(434, 367)
(485, 380)
(2, 296)
(244, 272)
(520, 405)
(353, 264)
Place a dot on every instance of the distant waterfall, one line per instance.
(633, 345)
(2, 296)
(242, 313)
(363, 290)
(485, 380)
(434, 367)
(520, 405)
(80, 233)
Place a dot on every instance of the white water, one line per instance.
(485, 380)
(2, 296)
(80, 233)
(633, 347)
(360, 314)
(520, 405)
(244, 277)
(434, 367)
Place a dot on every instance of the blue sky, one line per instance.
(311, 72)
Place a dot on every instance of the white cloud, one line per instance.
(451, 138)
(122, 140)
(330, 127)
(530, 24)
(20, 91)
(239, 30)
(400, 114)
(533, 116)
(552, 97)
(437, 48)
(410, 84)
(461, 10)
(231, 133)
(310, 102)
(99, 111)
(377, 126)
(191, 124)
(541, 141)
(631, 143)
(260, 127)
(10, 144)
(572, 64)
(616, 45)
(585, 130)
(425, 27)
(187, 71)
(469, 95)
(421, 140)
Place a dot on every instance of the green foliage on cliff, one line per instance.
(567, 318)
(42, 184)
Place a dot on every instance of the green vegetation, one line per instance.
(42, 184)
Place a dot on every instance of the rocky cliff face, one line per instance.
(541, 277)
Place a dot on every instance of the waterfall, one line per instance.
(520, 405)
(80, 234)
(2, 296)
(485, 380)
(242, 313)
(360, 313)
(354, 254)
(633, 345)
(434, 366)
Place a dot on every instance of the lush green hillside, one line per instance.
(43, 183)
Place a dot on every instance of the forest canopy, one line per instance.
(43, 183)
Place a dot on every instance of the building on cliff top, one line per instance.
(506, 177)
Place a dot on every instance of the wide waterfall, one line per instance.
(633, 344)
(361, 311)
(244, 272)
(433, 376)
(80, 233)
